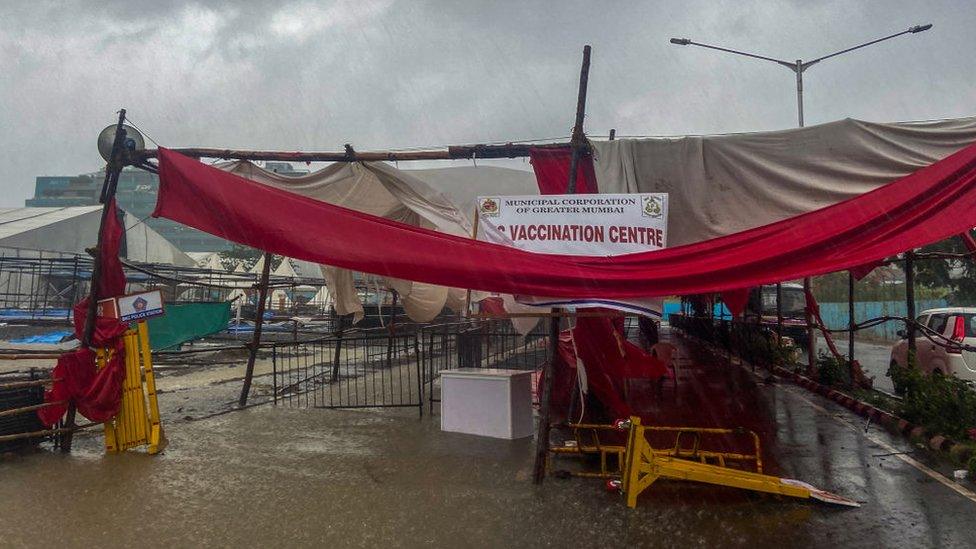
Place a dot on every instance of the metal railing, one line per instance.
(479, 344)
(355, 369)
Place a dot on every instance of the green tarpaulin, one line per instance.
(186, 322)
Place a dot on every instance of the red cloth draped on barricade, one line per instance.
(96, 393)
(929, 205)
(609, 360)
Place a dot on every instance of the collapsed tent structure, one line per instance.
(436, 199)
(929, 205)
(747, 210)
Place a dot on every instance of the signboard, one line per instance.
(579, 224)
(576, 224)
(140, 306)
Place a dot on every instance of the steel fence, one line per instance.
(478, 344)
(356, 369)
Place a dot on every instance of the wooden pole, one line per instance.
(578, 144)
(109, 184)
(811, 334)
(474, 236)
(850, 318)
(452, 152)
(910, 299)
(779, 308)
(578, 140)
(258, 324)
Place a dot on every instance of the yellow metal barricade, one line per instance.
(137, 423)
(640, 463)
(645, 464)
(587, 439)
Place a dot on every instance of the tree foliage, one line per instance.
(246, 256)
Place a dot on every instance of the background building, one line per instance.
(136, 195)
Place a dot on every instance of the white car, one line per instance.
(955, 323)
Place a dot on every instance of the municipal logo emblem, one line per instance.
(652, 206)
(489, 207)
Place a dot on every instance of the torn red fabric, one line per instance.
(736, 300)
(968, 241)
(609, 360)
(551, 167)
(929, 205)
(492, 306)
(111, 280)
(96, 393)
(813, 309)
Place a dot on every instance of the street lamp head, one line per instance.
(685, 41)
(920, 28)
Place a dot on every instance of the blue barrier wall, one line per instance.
(674, 307)
(835, 315)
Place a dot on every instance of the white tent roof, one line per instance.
(208, 260)
(214, 263)
(72, 229)
(298, 268)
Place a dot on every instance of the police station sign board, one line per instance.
(576, 224)
(140, 306)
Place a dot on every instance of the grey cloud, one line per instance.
(315, 75)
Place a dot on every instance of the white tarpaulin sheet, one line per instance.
(441, 199)
(723, 184)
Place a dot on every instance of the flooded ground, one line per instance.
(275, 476)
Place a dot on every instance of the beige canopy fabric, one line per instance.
(722, 184)
(440, 199)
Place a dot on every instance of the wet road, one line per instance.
(285, 477)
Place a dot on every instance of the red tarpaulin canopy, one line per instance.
(929, 205)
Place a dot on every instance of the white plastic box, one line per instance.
(487, 402)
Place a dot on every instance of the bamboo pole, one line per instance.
(474, 236)
(21, 384)
(578, 144)
(850, 320)
(46, 432)
(28, 356)
(258, 324)
(910, 299)
(31, 408)
(451, 152)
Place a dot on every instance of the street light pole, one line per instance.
(798, 67)
(799, 91)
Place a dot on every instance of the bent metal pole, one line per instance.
(109, 184)
(578, 145)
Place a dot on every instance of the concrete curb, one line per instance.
(890, 422)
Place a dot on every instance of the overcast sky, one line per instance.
(394, 74)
